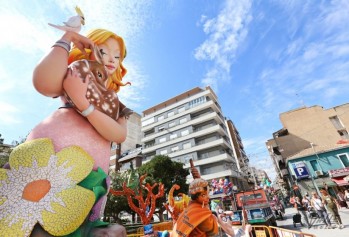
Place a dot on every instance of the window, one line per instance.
(183, 120)
(163, 152)
(186, 145)
(184, 133)
(187, 158)
(162, 128)
(163, 139)
(173, 136)
(170, 114)
(161, 118)
(114, 146)
(181, 109)
(336, 122)
(172, 124)
(175, 148)
(344, 159)
(197, 101)
(343, 133)
(315, 165)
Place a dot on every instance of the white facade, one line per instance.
(133, 138)
(190, 126)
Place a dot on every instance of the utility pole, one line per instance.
(117, 156)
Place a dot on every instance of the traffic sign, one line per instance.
(300, 170)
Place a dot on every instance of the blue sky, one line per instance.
(261, 57)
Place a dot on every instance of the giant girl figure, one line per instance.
(57, 179)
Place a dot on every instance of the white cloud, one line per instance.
(5, 83)
(225, 32)
(9, 114)
(131, 95)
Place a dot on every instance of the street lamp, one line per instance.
(312, 178)
(234, 204)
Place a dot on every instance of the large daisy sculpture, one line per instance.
(41, 187)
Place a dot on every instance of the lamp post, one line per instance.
(312, 179)
(234, 201)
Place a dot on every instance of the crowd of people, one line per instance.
(321, 205)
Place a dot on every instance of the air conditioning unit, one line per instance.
(319, 173)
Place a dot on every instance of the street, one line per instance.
(317, 228)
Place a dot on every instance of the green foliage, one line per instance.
(117, 204)
(159, 169)
(3, 160)
(5, 151)
(1, 139)
(163, 169)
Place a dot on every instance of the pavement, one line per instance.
(317, 226)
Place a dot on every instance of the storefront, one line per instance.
(340, 176)
(307, 185)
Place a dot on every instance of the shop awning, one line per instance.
(340, 181)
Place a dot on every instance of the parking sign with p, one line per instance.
(300, 170)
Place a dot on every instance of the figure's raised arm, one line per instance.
(48, 75)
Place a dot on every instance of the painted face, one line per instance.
(110, 51)
(203, 198)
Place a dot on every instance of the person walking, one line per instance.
(319, 206)
(301, 209)
(341, 199)
(346, 197)
(306, 201)
(332, 206)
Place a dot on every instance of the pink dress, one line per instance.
(66, 127)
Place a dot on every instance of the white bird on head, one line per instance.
(74, 23)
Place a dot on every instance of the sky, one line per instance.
(262, 57)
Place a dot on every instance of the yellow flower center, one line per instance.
(36, 190)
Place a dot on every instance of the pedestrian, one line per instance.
(319, 206)
(341, 199)
(346, 197)
(292, 200)
(301, 209)
(331, 204)
(306, 200)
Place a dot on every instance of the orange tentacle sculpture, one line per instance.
(176, 207)
(150, 198)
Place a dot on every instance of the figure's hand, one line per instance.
(195, 173)
(80, 41)
(76, 88)
(225, 224)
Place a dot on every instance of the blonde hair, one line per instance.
(99, 36)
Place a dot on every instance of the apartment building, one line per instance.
(190, 126)
(241, 159)
(305, 128)
(132, 142)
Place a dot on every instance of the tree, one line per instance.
(5, 151)
(117, 204)
(163, 169)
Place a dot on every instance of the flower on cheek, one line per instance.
(40, 187)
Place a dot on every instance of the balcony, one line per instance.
(213, 129)
(198, 120)
(218, 142)
(221, 157)
(208, 104)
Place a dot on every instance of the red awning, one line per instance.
(340, 181)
